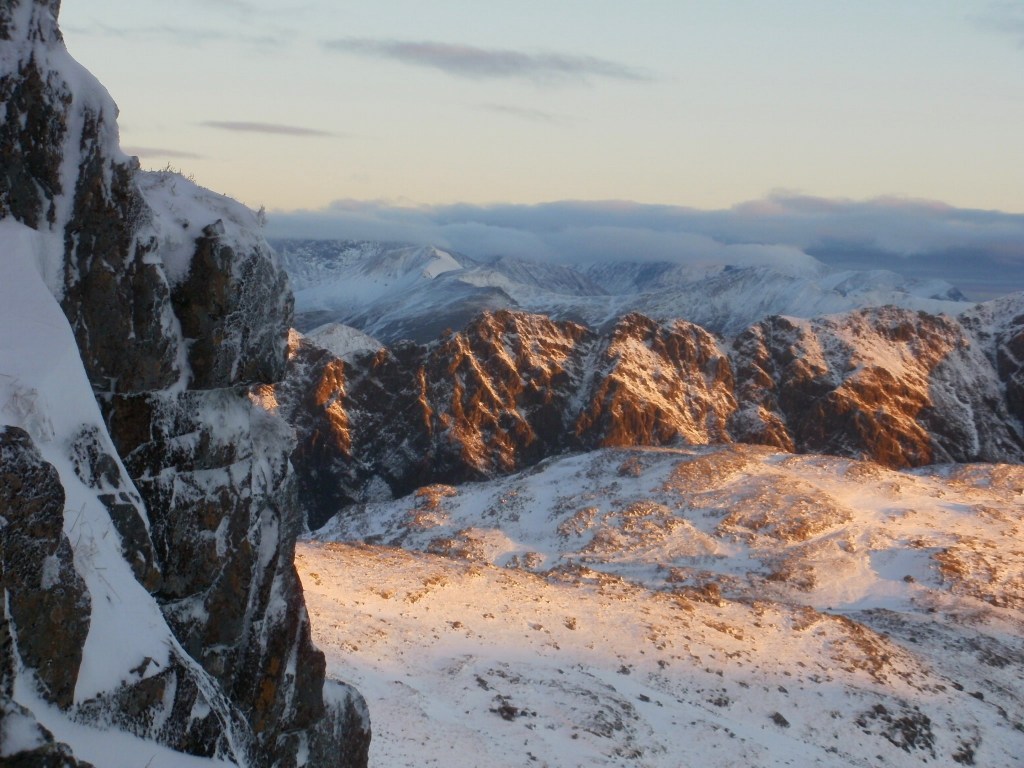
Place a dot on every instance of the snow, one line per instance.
(657, 607)
(88, 96)
(343, 341)
(44, 390)
(357, 274)
(181, 210)
(19, 732)
(389, 290)
(109, 748)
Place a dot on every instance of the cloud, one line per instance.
(981, 252)
(272, 128)
(483, 63)
(523, 113)
(192, 36)
(175, 154)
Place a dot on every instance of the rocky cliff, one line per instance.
(140, 470)
(508, 391)
(900, 387)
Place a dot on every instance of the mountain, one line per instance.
(716, 606)
(148, 516)
(900, 387)
(395, 292)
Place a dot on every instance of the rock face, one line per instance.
(999, 328)
(505, 393)
(47, 609)
(900, 387)
(179, 309)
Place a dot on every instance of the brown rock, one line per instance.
(48, 606)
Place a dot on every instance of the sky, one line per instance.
(316, 108)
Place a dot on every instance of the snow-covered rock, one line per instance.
(901, 387)
(342, 341)
(139, 461)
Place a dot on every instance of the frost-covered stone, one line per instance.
(46, 615)
(177, 306)
(903, 388)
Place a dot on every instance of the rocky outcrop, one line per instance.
(657, 384)
(999, 328)
(900, 387)
(223, 523)
(505, 393)
(178, 309)
(46, 613)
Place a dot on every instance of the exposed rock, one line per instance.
(658, 384)
(34, 126)
(234, 310)
(505, 393)
(998, 327)
(224, 524)
(116, 295)
(177, 306)
(98, 469)
(178, 707)
(902, 388)
(46, 618)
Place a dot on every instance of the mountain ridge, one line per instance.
(375, 288)
(901, 387)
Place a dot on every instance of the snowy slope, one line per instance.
(44, 390)
(360, 273)
(342, 341)
(711, 607)
(392, 291)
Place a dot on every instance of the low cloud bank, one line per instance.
(982, 252)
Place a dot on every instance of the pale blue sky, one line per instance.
(702, 104)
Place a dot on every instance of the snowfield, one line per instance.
(700, 607)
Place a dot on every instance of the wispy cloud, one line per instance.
(471, 62)
(173, 154)
(523, 113)
(981, 252)
(179, 34)
(193, 37)
(271, 128)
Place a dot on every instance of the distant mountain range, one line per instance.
(393, 291)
